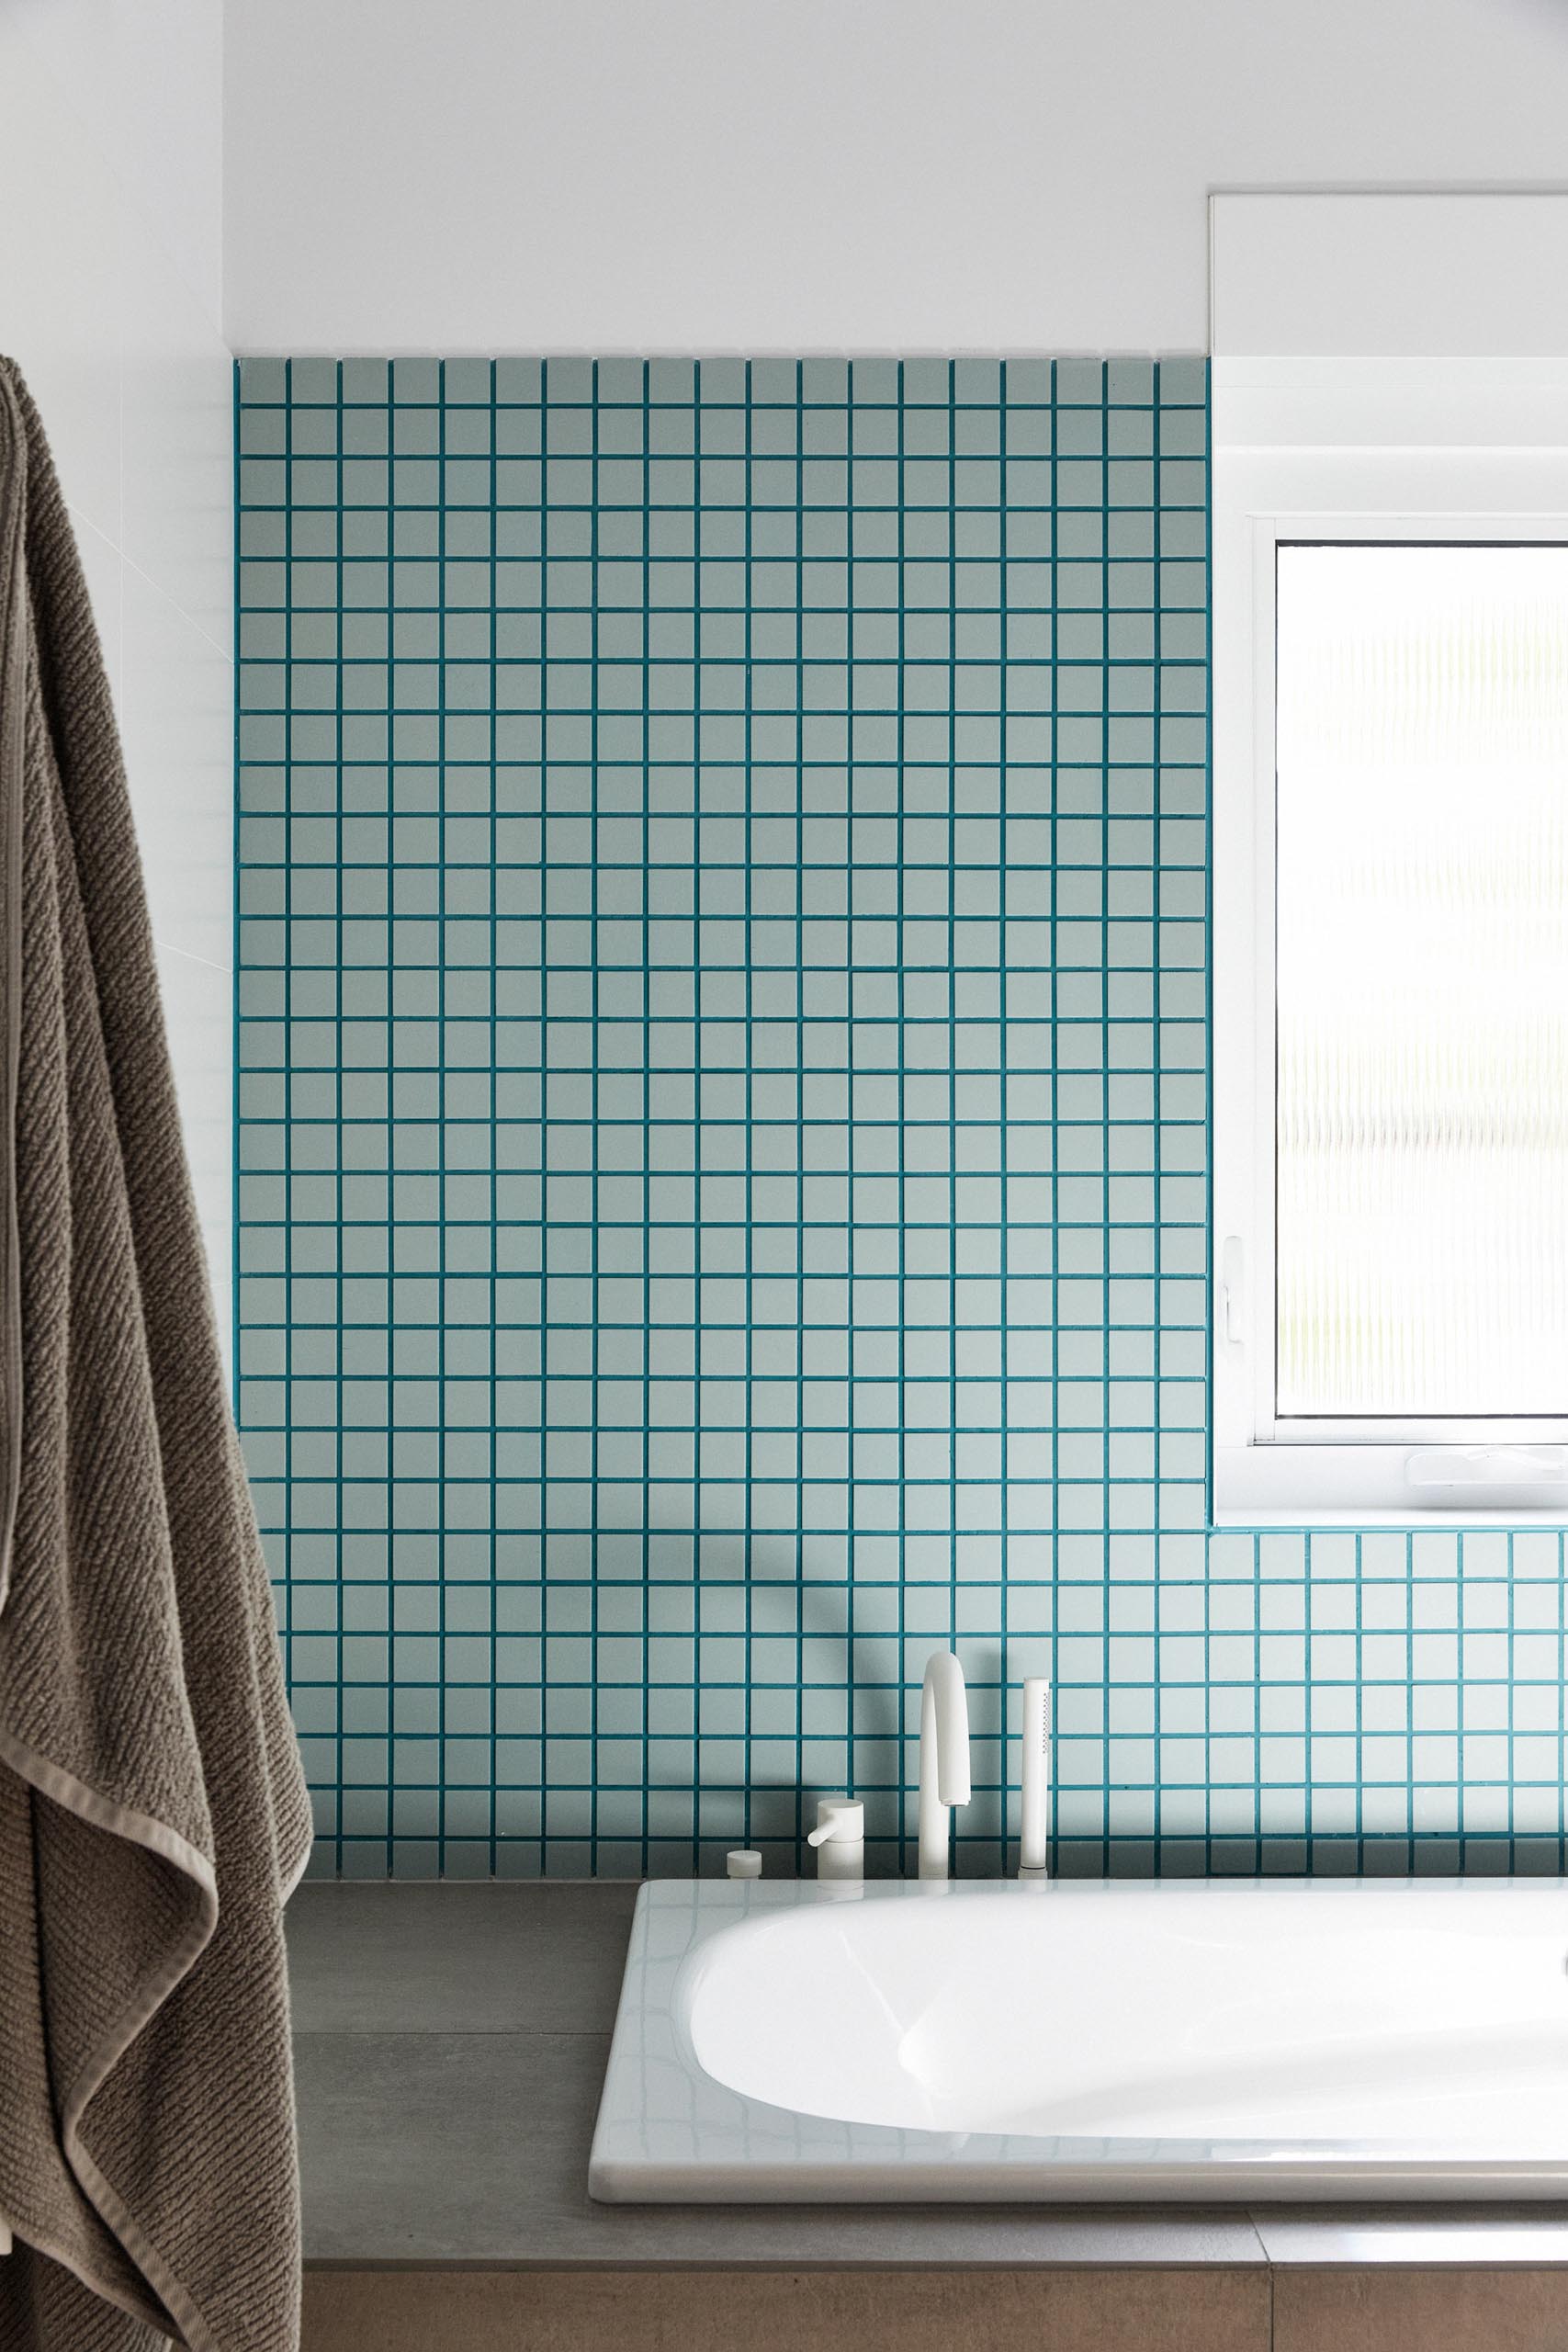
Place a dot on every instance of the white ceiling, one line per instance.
(798, 174)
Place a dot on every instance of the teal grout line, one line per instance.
(593, 1261)
(235, 1104)
(1208, 1055)
(1361, 1700)
(1511, 1717)
(799, 1240)
(1157, 1015)
(698, 1368)
(439, 1015)
(1058, 1842)
(288, 1186)
(337, 1031)
(1004, 1020)
(798, 647)
(748, 752)
(494, 1250)
(645, 559)
(698, 1627)
(954, 1324)
(390, 1596)
(546, 1177)
(1106, 1134)
(900, 894)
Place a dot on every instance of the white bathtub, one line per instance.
(1202, 2040)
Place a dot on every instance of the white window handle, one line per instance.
(1232, 1292)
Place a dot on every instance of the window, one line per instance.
(1421, 983)
(1390, 911)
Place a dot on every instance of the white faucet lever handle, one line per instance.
(840, 1835)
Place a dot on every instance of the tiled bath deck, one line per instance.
(450, 2042)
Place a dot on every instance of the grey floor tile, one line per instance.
(473, 2148)
(457, 1959)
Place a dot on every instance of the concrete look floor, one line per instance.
(450, 2041)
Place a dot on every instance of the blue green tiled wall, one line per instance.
(722, 1135)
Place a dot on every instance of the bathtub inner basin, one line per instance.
(1296, 2012)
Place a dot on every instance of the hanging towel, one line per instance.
(152, 1815)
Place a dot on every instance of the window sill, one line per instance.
(1362, 1485)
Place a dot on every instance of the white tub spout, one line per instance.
(944, 1758)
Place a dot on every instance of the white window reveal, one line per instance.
(1391, 876)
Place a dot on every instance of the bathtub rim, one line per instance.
(891, 2164)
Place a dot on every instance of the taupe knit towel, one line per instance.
(152, 1815)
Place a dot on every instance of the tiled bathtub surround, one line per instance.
(722, 1133)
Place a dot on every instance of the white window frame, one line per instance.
(1402, 450)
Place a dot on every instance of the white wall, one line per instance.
(799, 174)
(110, 277)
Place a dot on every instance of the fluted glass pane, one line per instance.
(1422, 980)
